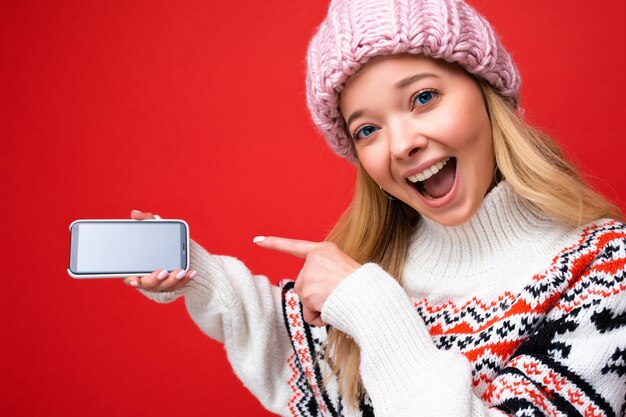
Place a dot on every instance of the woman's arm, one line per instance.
(244, 312)
(574, 361)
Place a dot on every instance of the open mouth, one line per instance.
(436, 181)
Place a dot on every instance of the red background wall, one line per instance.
(195, 109)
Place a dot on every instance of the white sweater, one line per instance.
(510, 313)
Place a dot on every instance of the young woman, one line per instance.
(475, 273)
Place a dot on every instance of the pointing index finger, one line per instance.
(295, 247)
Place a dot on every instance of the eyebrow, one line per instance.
(399, 85)
(412, 79)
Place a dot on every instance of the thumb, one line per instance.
(140, 215)
(295, 247)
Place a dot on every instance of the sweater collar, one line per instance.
(505, 225)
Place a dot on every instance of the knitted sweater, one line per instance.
(510, 313)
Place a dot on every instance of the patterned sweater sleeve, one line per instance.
(244, 312)
(575, 364)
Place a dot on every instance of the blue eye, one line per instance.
(424, 97)
(364, 132)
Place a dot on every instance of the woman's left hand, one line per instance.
(325, 266)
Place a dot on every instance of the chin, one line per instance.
(451, 218)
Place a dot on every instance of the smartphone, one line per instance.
(125, 248)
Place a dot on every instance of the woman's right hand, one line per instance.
(160, 280)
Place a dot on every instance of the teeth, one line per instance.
(428, 172)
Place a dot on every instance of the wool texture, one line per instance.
(509, 314)
(356, 31)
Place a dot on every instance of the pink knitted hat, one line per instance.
(355, 31)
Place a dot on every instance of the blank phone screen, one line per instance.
(128, 247)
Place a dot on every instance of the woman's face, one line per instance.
(422, 132)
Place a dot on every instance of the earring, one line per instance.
(389, 196)
(497, 175)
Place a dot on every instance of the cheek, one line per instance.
(469, 132)
(375, 164)
(478, 147)
(466, 128)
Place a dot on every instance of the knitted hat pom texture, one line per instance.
(355, 31)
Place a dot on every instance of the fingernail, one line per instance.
(193, 274)
(181, 274)
(136, 211)
(162, 274)
(258, 239)
(133, 283)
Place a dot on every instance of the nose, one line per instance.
(405, 138)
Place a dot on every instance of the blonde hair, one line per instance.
(376, 229)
